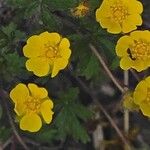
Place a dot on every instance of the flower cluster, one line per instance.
(31, 103)
(47, 53)
(123, 16)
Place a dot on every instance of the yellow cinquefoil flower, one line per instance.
(32, 103)
(142, 96)
(47, 53)
(134, 50)
(119, 15)
(81, 10)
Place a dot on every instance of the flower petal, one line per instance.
(34, 47)
(123, 44)
(114, 28)
(134, 6)
(20, 109)
(139, 65)
(140, 92)
(52, 38)
(19, 93)
(145, 108)
(31, 122)
(59, 64)
(105, 22)
(131, 22)
(148, 81)
(36, 91)
(126, 63)
(64, 49)
(137, 35)
(40, 66)
(46, 111)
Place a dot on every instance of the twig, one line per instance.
(7, 143)
(94, 50)
(4, 97)
(126, 112)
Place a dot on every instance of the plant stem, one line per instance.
(109, 73)
(4, 96)
(126, 112)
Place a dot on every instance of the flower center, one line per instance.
(51, 51)
(33, 104)
(119, 12)
(140, 50)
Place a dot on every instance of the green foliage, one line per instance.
(61, 4)
(51, 22)
(12, 66)
(70, 111)
(72, 117)
(5, 133)
(115, 63)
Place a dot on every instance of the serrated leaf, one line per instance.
(31, 9)
(47, 135)
(92, 68)
(49, 20)
(71, 112)
(68, 124)
(9, 29)
(82, 112)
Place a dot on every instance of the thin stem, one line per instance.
(135, 75)
(4, 97)
(112, 77)
(126, 112)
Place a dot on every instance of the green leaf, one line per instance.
(49, 20)
(68, 124)
(115, 63)
(82, 112)
(13, 66)
(47, 135)
(7, 30)
(71, 94)
(92, 68)
(61, 4)
(71, 115)
(31, 9)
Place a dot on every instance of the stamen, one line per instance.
(119, 12)
(140, 50)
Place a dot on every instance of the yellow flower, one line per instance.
(81, 10)
(31, 103)
(47, 53)
(134, 50)
(142, 96)
(119, 15)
